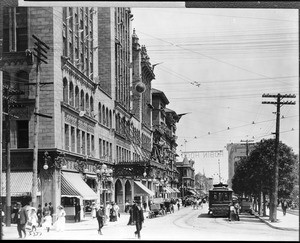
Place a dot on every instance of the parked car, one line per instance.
(246, 205)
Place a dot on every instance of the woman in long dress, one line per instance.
(60, 219)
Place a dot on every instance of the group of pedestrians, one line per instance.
(234, 211)
(29, 219)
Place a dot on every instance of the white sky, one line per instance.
(235, 55)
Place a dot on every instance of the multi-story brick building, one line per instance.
(95, 125)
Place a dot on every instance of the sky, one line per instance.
(215, 65)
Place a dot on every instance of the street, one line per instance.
(185, 224)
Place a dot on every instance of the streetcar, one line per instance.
(219, 199)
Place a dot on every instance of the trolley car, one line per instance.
(219, 198)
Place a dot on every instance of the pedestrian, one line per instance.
(39, 214)
(94, 210)
(237, 210)
(14, 214)
(51, 209)
(100, 218)
(131, 222)
(231, 212)
(22, 219)
(113, 214)
(284, 206)
(145, 205)
(138, 217)
(46, 209)
(60, 222)
(107, 211)
(33, 220)
(126, 206)
(178, 205)
(77, 212)
(47, 221)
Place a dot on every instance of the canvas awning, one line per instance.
(141, 190)
(72, 185)
(192, 192)
(168, 189)
(20, 184)
(176, 190)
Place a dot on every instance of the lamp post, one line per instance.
(104, 175)
(54, 167)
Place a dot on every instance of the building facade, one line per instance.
(236, 151)
(186, 177)
(95, 122)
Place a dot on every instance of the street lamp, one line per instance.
(104, 175)
(59, 161)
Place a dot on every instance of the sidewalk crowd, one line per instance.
(284, 222)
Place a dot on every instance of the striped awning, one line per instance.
(20, 184)
(168, 189)
(72, 185)
(192, 192)
(176, 190)
(141, 190)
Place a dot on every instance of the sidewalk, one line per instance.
(287, 222)
(88, 223)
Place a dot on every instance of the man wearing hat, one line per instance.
(22, 219)
(100, 218)
(138, 216)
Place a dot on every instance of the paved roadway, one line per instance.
(185, 224)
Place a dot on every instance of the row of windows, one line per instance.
(78, 37)
(105, 149)
(15, 37)
(83, 102)
(79, 141)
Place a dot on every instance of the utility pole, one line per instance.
(39, 56)
(274, 193)
(1, 129)
(7, 150)
(219, 171)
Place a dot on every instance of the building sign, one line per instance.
(205, 154)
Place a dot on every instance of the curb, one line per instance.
(275, 227)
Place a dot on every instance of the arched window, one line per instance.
(71, 96)
(22, 79)
(107, 117)
(110, 119)
(92, 105)
(87, 103)
(76, 97)
(103, 115)
(82, 100)
(99, 113)
(65, 90)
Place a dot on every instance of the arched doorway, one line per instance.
(119, 193)
(128, 192)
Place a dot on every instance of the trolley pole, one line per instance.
(274, 193)
(39, 56)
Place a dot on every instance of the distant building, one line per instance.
(187, 177)
(236, 151)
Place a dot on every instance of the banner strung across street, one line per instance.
(205, 154)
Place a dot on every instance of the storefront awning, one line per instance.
(20, 184)
(192, 192)
(141, 190)
(176, 190)
(72, 185)
(168, 189)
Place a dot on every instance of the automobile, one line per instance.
(246, 205)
